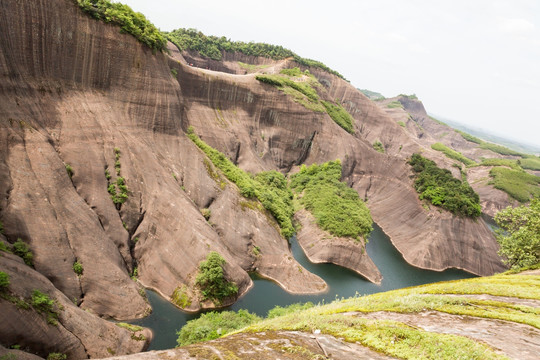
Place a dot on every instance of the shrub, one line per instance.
(45, 305)
(281, 311)
(212, 47)
(530, 162)
(336, 207)
(469, 137)
(211, 279)
(180, 297)
(520, 235)
(440, 188)
(401, 123)
(206, 213)
(452, 154)
(377, 145)
(4, 280)
(501, 162)
(130, 22)
(213, 325)
(270, 188)
(69, 170)
(519, 184)
(4, 247)
(78, 268)
(23, 251)
(340, 116)
(1, 227)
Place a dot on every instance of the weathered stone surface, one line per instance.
(322, 247)
(268, 345)
(78, 333)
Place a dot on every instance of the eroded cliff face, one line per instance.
(74, 91)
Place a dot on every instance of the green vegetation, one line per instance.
(378, 146)
(211, 279)
(117, 189)
(440, 188)
(43, 304)
(130, 22)
(340, 116)
(520, 235)
(513, 164)
(335, 206)
(251, 67)
(4, 247)
(180, 297)
(290, 309)
(1, 228)
(394, 104)
(69, 170)
(130, 327)
(519, 184)
(56, 356)
(283, 81)
(499, 149)
(452, 154)
(401, 123)
(78, 268)
(206, 213)
(213, 325)
(23, 251)
(469, 137)
(411, 97)
(4, 281)
(530, 162)
(270, 188)
(372, 94)
(174, 72)
(213, 46)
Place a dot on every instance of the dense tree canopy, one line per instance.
(442, 189)
(520, 234)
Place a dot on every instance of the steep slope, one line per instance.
(87, 110)
(465, 319)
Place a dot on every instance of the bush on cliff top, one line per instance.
(442, 189)
(212, 47)
(130, 22)
(336, 207)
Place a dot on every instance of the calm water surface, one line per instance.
(166, 319)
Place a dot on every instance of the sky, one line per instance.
(476, 62)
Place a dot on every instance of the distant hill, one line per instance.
(481, 133)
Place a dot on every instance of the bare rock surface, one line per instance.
(524, 343)
(321, 247)
(267, 345)
(77, 333)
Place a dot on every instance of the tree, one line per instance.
(211, 279)
(519, 236)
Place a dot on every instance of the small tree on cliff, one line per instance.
(520, 234)
(211, 279)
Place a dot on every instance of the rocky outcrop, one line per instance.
(77, 94)
(321, 247)
(75, 333)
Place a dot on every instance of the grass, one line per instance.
(519, 184)
(252, 67)
(340, 116)
(499, 149)
(180, 297)
(22, 250)
(394, 105)
(378, 146)
(469, 137)
(335, 206)
(270, 188)
(130, 327)
(397, 339)
(530, 162)
(452, 154)
(401, 123)
(513, 164)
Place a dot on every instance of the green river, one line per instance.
(166, 319)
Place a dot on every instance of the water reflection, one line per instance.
(166, 319)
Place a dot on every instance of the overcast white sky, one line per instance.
(476, 62)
